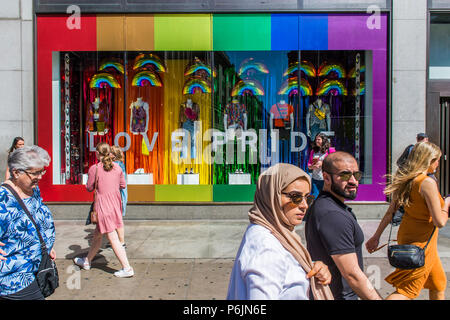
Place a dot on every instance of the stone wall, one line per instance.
(16, 75)
(409, 61)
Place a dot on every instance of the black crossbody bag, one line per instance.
(47, 275)
(407, 256)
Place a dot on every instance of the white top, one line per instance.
(265, 270)
(317, 174)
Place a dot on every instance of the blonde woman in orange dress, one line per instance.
(425, 209)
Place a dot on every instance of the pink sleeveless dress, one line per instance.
(109, 203)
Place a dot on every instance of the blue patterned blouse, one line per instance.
(22, 246)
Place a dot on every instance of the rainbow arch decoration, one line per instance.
(290, 87)
(326, 69)
(251, 64)
(103, 80)
(305, 88)
(247, 87)
(194, 85)
(334, 87)
(146, 78)
(118, 66)
(149, 60)
(194, 68)
(305, 66)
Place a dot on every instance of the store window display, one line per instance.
(98, 118)
(268, 106)
(189, 113)
(318, 118)
(139, 116)
(337, 105)
(145, 95)
(235, 116)
(282, 119)
(187, 117)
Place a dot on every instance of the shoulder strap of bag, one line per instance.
(24, 207)
(429, 239)
(96, 178)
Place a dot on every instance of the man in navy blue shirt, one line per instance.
(333, 234)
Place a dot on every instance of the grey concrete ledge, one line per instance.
(194, 212)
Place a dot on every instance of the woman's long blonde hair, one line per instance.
(105, 153)
(419, 160)
(117, 153)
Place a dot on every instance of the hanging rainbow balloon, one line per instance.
(305, 88)
(306, 67)
(193, 85)
(289, 87)
(112, 64)
(362, 89)
(103, 80)
(334, 87)
(247, 87)
(146, 78)
(198, 66)
(352, 72)
(149, 59)
(251, 64)
(326, 69)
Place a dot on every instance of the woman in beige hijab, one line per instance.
(271, 262)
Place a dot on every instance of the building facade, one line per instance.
(204, 97)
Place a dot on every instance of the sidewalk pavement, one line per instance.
(183, 260)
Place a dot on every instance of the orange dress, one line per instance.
(416, 228)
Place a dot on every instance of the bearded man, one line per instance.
(332, 232)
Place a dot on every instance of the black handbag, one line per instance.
(407, 256)
(47, 275)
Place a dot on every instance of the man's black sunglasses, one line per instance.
(346, 175)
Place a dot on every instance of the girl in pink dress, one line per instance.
(110, 179)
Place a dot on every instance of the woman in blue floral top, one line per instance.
(20, 253)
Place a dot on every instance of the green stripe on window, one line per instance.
(234, 193)
(241, 32)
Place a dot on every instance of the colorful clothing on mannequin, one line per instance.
(139, 117)
(281, 113)
(236, 113)
(188, 115)
(318, 118)
(97, 119)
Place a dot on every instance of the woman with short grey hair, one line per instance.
(21, 255)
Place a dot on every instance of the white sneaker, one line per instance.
(124, 273)
(82, 263)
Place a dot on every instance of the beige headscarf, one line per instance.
(267, 212)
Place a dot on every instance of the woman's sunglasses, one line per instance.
(297, 198)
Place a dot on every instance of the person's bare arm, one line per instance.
(430, 193)
(348, 266)
(372, 243)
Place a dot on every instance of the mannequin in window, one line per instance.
(282, 118)
(139, 116)
(97, 118)
(235, 117)
(189, 113)
(318, 118)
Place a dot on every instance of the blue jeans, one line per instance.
(189, 126)
(317, 186)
